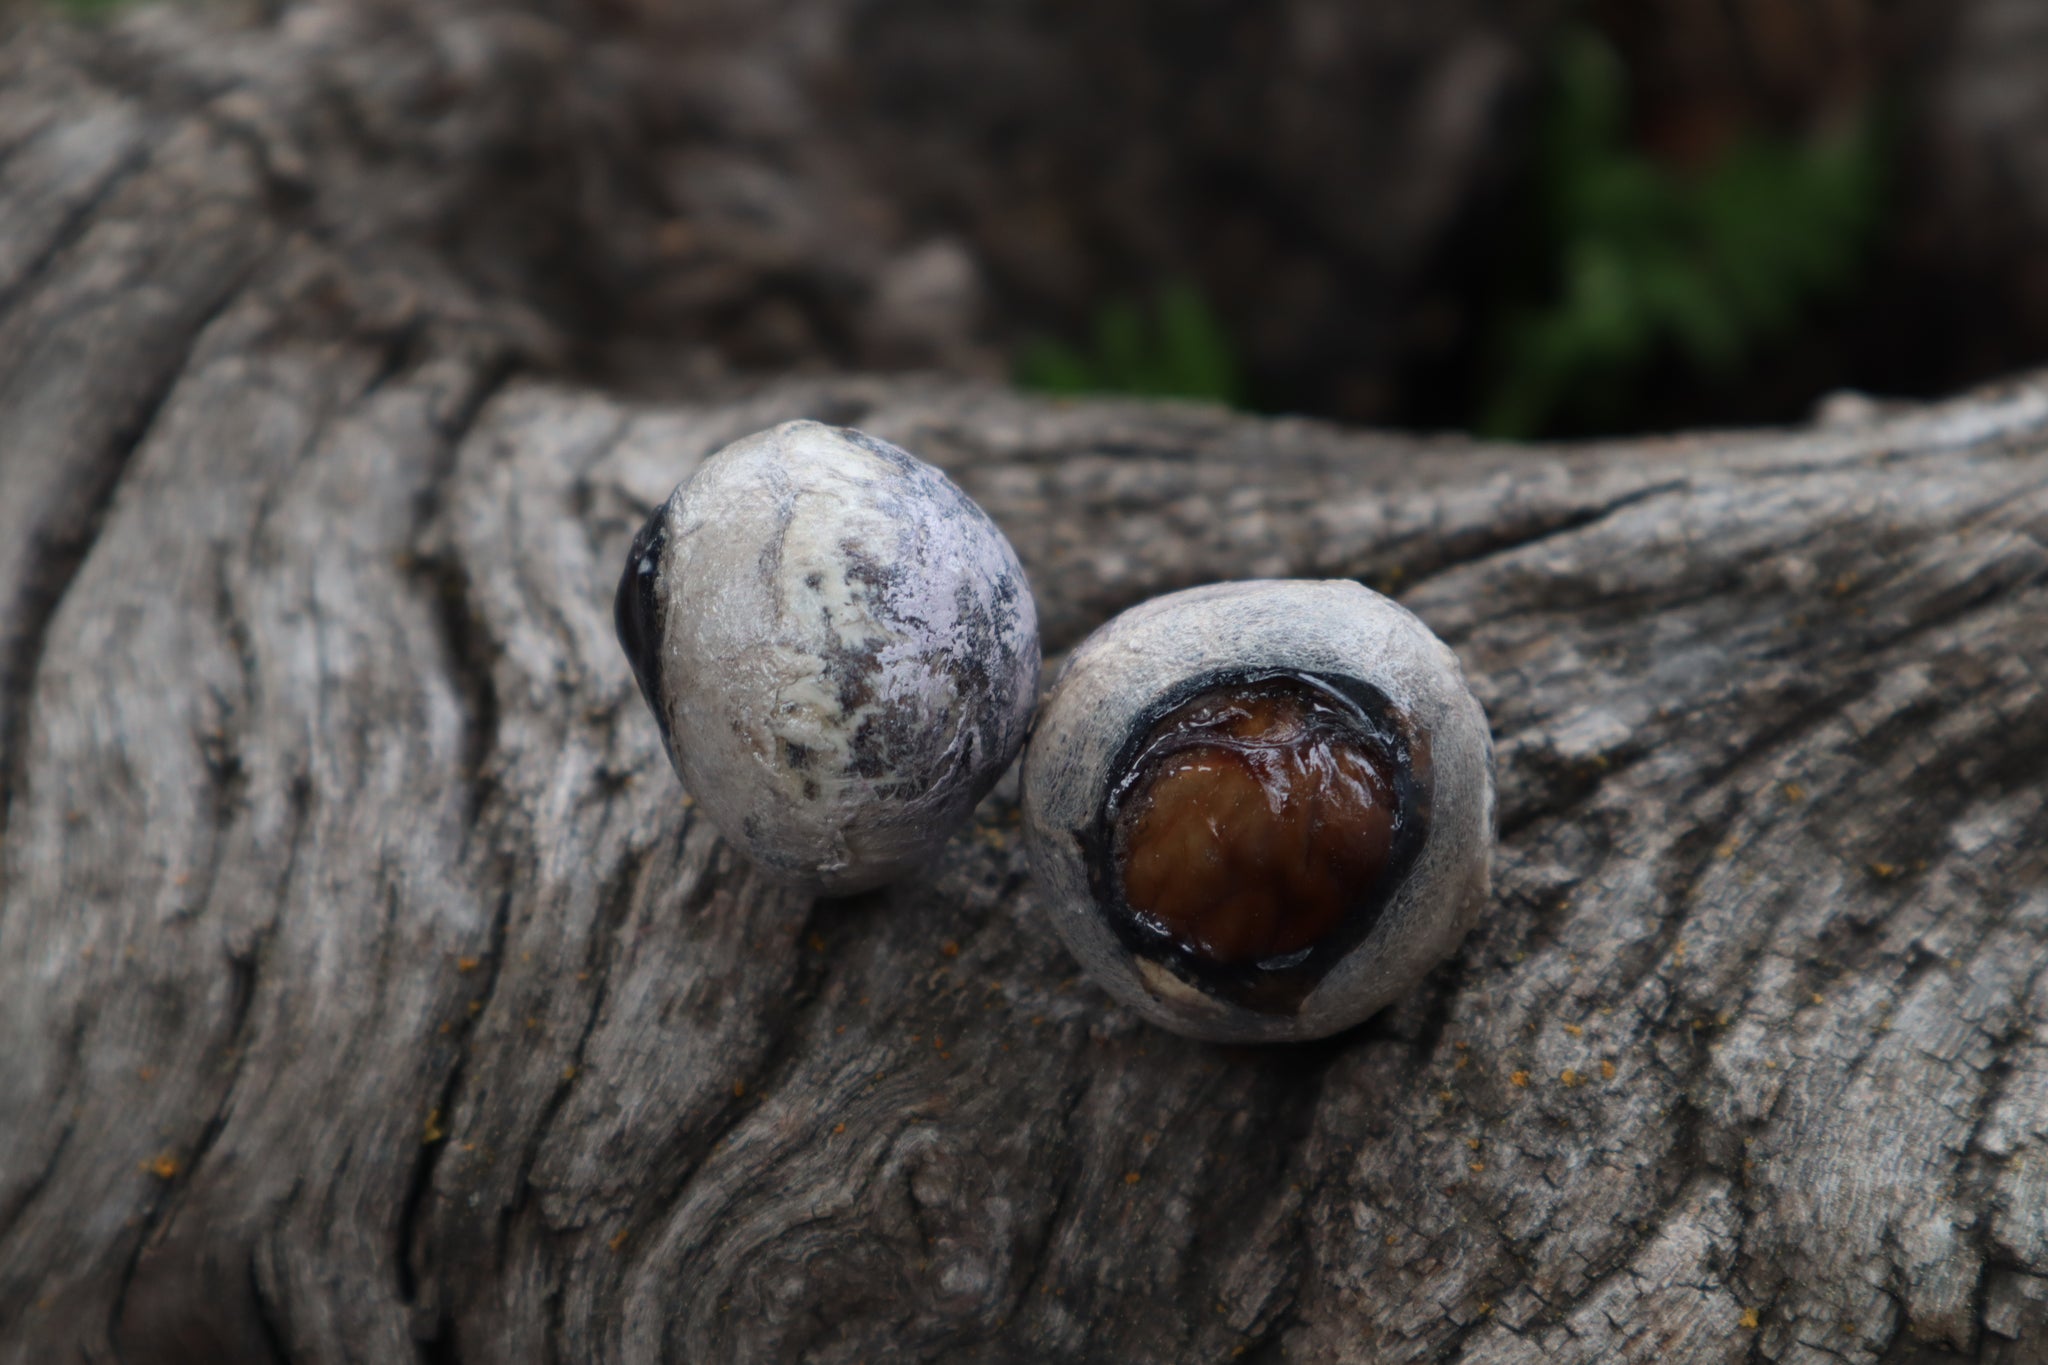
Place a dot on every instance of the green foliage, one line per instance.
(1175, 349)
(1643, 261)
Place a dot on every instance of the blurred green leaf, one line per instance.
(1173, 348)
(1639, 260)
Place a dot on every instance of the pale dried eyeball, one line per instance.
(1261, 811)
(839, 646)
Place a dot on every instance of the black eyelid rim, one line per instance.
(636, 611)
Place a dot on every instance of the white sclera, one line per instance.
(844, 652)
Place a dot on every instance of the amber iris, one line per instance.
(1255, 817)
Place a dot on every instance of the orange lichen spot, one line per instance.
(164, 1165)
(1678, 951)
(618, 1240)
(1518, 1078)
(949, 949)
(1884, 871)
(1568, 1078)
(838, 1128)
(1130, 1177)
(840, 1029)
(1818, 998)
(1794, 792)
(1462, 1062)
(532, 1022)
(739, 1090)
(569, 1072)
(1575, 1030)
(689, 801)
(938, 1043)
(817, 943)
(1606, 1071)
(432, 1131)
(1476, 1167)
(1446, 1096)
(1747, 1322)
(1843, 585)
(583, 976)
(468, 964)
(146, 1073)
(1473, 1143)
(476, 1007)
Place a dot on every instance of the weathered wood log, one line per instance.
(371, 992)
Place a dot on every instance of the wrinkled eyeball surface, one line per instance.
(839, 646)
(1261, 811)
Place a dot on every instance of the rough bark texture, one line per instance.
(370, 992)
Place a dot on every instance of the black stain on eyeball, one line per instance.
(636, 613)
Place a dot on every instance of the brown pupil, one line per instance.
(1255, 818)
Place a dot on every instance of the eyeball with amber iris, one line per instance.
(1261, 811)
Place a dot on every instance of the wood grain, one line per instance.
(371, 991)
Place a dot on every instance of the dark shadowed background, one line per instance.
(1527, 217)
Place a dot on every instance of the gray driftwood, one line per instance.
(369, 990)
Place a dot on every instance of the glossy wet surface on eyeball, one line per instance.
(1256, 818)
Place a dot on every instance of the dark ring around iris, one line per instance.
(1276, 985)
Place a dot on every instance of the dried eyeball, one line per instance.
(839, 646)
(1261, 811)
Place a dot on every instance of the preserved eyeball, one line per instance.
(1261, 811)
(839, 646)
